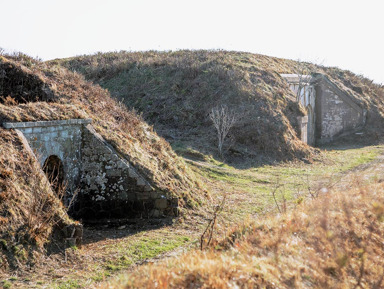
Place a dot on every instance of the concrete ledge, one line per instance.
(296, 78)
(9, 125)
(302, 119)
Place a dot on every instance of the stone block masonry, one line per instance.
(337, 113)
(105, 183)
(331, 111)
(110, 186)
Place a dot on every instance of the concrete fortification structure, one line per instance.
(102, 183)
(331, 111)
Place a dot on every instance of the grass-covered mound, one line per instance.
(33, 91)
(176, 91)
(73, 97)
(334, 241)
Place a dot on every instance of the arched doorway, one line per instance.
(54, 170)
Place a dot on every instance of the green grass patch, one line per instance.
(145, 247)
(6, 284)
(293, 179)
(69, 284)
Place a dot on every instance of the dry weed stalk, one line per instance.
(41, 218)
(302, 71)
(277, 188)
(211, 224)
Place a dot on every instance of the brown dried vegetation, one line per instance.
(28, 208)
(124, 129)
(176, 91)
(334, 241)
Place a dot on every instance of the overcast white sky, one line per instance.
(347, 34)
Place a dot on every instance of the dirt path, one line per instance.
(369, 172)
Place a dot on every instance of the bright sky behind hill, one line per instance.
(347, 34)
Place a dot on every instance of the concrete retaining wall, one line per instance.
(336, 112)
(60, 138)
(110, 185)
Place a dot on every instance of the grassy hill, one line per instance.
(329, 240)
(175, 91)
(31, 90)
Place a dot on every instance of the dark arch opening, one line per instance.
(54, 170)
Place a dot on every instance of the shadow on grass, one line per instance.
(106, 229)
(120, 228)
(354, 141)
(237, 159)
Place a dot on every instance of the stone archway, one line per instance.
(54, 170)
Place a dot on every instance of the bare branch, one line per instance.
(211, 224)
(223, 120)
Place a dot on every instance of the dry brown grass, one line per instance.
(124, 129)
(28, 208)
(331, 243)
(334, 241)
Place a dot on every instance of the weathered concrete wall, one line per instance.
(110, 185)
(107, 185)
(337, 113)
(331, 112)
(61, 138)
(311, 125)
(72, 232)
(303, 124)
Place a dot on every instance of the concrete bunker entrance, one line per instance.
(332, 111)
(89, 175)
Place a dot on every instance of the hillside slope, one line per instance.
(175, 91)
(30, 91)
(67, 95)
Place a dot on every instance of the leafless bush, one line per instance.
(223, 119)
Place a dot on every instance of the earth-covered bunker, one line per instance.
(331, 111)
(99, 183)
